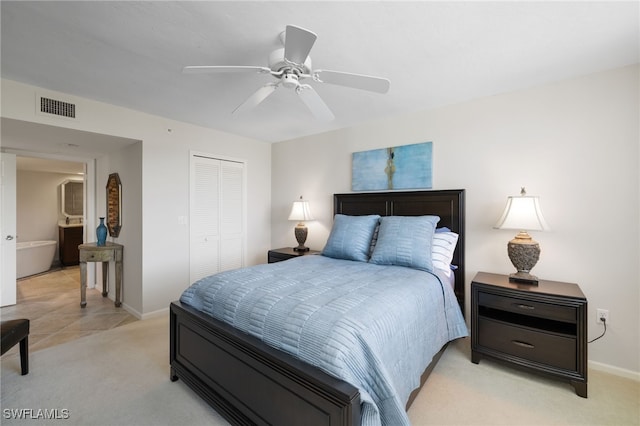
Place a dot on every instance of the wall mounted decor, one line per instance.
(114, 205)
(72, 198)
(400, 167)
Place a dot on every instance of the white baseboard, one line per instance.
(155, 314)
(616, 371)
(131, 311)
(148, 315)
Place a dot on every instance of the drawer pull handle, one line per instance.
(527, 307)
(523, 344)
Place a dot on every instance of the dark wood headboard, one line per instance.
(448, 204)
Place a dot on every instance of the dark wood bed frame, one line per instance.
(249, 382)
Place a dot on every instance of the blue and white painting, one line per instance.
(400, 167)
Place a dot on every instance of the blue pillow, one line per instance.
(405, 241)
(350, 237)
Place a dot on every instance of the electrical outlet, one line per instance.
(602, 314)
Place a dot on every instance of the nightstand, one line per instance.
(542, 328)
(285, 253)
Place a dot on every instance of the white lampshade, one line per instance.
(522, 213)
(300, 211)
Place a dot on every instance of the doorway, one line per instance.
(41, 219)
(29, 139)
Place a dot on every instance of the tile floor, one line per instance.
(51, 302)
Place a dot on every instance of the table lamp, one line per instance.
(523, 214)
(300, 212)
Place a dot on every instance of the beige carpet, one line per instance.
(121, 377)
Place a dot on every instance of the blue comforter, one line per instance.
(376, 327)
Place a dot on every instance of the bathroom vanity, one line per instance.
(69, 237)
(70, 228)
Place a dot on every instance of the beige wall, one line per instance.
(574, 143)
(38, 205)
(127, 162)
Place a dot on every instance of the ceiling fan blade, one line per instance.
(297, 44)
(357, 81)
(258, 96)
(314, 102)
(201, 69)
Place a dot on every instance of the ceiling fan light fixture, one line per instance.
(290, 80)
(278, 62)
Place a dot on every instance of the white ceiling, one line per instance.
(435, 53)
(50, 166)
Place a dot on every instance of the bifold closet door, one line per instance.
(231, 215)
(216, 216)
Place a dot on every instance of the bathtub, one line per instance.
(33, 257)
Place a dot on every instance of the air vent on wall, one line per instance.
(55, 107)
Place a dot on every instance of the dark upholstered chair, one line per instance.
(14, 331)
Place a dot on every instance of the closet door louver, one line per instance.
(231, 215)
(216, 216)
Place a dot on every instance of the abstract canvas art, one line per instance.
(399, 167)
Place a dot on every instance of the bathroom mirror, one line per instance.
(72, 198)
(114, 205)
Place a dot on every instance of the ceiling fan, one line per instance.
(290, 66)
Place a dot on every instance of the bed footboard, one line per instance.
(248, 382)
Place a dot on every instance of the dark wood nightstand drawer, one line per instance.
(528, 307)
(286, 253)
(546, 348)
(278, 257)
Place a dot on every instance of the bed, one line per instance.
(251, 382)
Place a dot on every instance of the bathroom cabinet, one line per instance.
(70, 237)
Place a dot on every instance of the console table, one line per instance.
(110, 252)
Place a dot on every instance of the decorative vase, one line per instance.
(101, 233)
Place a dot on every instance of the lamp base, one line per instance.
(301, 236)
(523, 278)
(524, 253)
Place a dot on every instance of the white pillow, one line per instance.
(442, 248)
